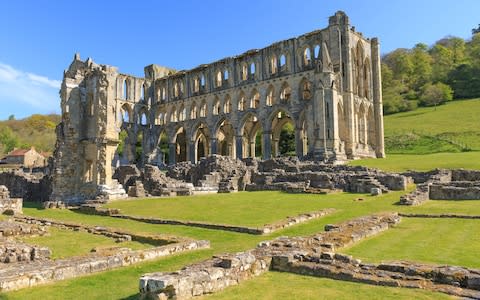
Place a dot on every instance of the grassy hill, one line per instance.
(36, 130)
(444, 137)
(453, 127)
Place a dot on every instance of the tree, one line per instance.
(476, 30)
(435, 94)
(400, 62)
(443, 62)
(465, 81)
(287, 140)
(422, 66)
(8, 139)
(11, 117)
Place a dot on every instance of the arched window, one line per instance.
(306, 89)
(316, 51)
(286, 92)
(164, 94)
(202, 81)
(244, 72)
(270, 99)
(142, 92)
(126, 89)
(219, 79)
(255, 99)
(196, 85)
(225, 75)
(283, 62)
(203, 110)
(182, 114)
(173, 115)
(227, 105)
(176, 89)
(273, 64)
(193, 111)
(241, 102)
(252, 69)
(216, 107)
(307, 57)
(142, 118)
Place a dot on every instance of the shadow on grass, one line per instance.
(413, 114)
(132, 297)
(37, 205)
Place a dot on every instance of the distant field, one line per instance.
(453, 127)
(425, 162)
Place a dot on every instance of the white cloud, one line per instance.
(23, 93)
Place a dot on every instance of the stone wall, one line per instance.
(455, 190)
(220, 272)
(13, 252)
(7, 204)
(33, 187)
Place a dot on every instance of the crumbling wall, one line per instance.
(8, 204)
(30, 187)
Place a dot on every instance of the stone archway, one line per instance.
(283, 134)
(225, 137)
(180, 145)
(251, 131)
(201, 142)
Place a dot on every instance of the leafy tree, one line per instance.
(465, 81)
(287, 140)
(435, 94)
(11, 117)
(422, 66)
(8, 139)
(476, 30)
(400, 62)
(443, 62)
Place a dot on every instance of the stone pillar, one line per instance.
(192, 152)
(172, 153)
(239, 146)
(377, 98)
(276, 147)
(213, 146)
(299, 145)
(267, 145)
(252, 148)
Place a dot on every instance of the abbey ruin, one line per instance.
(325, 83)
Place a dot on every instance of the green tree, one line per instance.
(465, 81)
(400, 62)
(11, 117)
(435, 94)
(287, 140)
(8, 139)
(422, 66)
(443, 62)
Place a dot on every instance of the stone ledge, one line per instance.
(19, 276)
(267, 229)
(446, 216)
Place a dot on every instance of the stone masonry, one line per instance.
(8, 205)
(325, 83)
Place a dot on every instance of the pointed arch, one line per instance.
(285, 92)
(367, 79)
(203, 109)
(241, 101)
(251, 130)
(227, 105)
(126, 111)
(201, 138)
(173, 115)
(254, 99)
(283, 133)
(216, 106)
(270, 100)
(193, 111)
(225, 136)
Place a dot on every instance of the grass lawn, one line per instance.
(125, 280)
(246, 208)
(291, 286)
(66, 243)
(439, 241)
(425, 162)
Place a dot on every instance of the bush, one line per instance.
(435, 94)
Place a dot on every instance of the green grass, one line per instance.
(126, 279)
(291, 286)
(247, 208)
(65, 243)
(404, 162)
(449, 127)
(439, 241)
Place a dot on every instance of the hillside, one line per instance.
(36, 130)
(453, 127)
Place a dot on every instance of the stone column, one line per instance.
(276, 148)
(213, 146)
(267, 145)
(377, 98)
(172, 153)
(192, 152)
(299, 150)
(252, 148)
(239, 146)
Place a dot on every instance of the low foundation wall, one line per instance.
(455, 190)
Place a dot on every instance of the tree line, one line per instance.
(429, 76)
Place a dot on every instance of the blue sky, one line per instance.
(38, 38)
